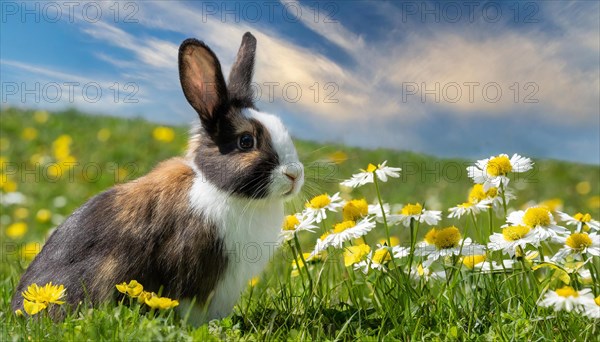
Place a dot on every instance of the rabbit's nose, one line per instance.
(293, 171)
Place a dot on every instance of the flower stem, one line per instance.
(387, 230)
(297, 243)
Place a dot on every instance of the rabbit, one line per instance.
(198, 226)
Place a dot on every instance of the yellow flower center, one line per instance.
(371, 168)
(472, 260)
(514, 233)
(447, 238)
(466, 205)
(583, 217)
(355, 209)
(579, 241)
(492, 192)
(324, 236)
(340, 227)
(567, 291)
(382, 256)
(498, 166)
(412, 209)
(430, 236)
(597, 300)
(319, 202)
(354, 254)
(537, 216)
(290, 222)
(477, 194)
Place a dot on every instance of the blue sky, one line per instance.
(466, 79)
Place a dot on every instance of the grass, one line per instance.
(342, 304)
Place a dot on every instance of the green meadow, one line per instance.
(59, 160)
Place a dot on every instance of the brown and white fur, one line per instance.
(199, 226)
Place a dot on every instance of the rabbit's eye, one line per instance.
(246, 141)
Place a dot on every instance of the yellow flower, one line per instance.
(354, 254)
(355, 209)
(594, 202)
(514, 233)
(43, 215)
(16, 230)
(40, 116)
(371, 168)
(447, 238)
(340, 227)
(103, 135)
(161, 303)
(133, 289)
(471, 260)
(62, 147)
(583, 217)
(290, 222)
(412, 209)
(338, 157)
(499, 166)
(319, 202)
(254, 281)
(583, 188)
(430, 236)
(567, 291)
(164, 134)
(579, 241)
(33, 307)
(21, 213)
(47, 294)
(6, 184)
(143, 296)
(476, 194)
(381, 256)
(394, 240)
(300, 264)
(537, 216)
(29, 133)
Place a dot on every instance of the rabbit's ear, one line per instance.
(240, 78)
(202, 82)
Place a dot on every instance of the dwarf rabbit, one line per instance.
(199, 226)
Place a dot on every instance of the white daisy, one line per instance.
(577, 244)
(375, 260)
(513, 238)
(539, 219)
(292, 224)
(590, 305)
(468, 208)
(580, 221)
(400, 252)
(565, 298)
(343, 232)
(440, 243)
(479, 262)
(318, 206)
(11, 198)
(348, 230)
(366, 176)
(493, 171)
(416, 212)
(427, 273)
(491, 196)
(375, 209)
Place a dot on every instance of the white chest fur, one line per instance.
(249, 229)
